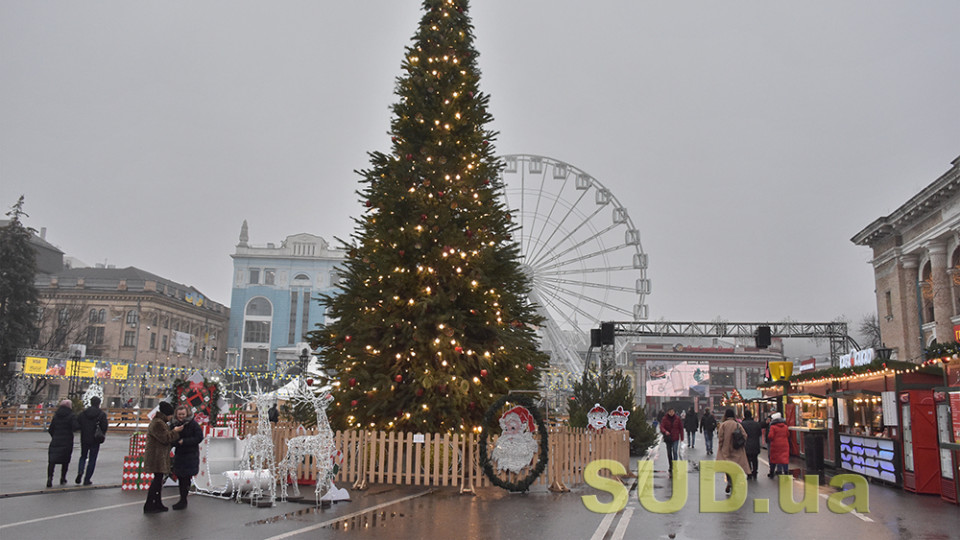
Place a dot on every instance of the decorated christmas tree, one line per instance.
(431, 322)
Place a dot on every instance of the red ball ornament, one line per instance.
(369, 204)
(393, 139)
(353, 403)
(486, 143)
(423, 217)
(352, 381)
(419, 392)
(529, 367)
(483, 373)
(348, 339)
(439, 194)
(401, 252)
(458, 348)
(409, 157)
(309, 382)
(472, 405)
(398, 378)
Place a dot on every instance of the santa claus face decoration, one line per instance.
(597, 417)
(515, 448)
(618, 419)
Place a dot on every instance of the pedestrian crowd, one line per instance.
(738, 441)
(169, 428)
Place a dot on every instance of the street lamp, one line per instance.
(884, 352)
(74, 388)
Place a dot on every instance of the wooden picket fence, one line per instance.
(391, 457)
(452, 459)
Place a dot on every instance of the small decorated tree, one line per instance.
(611, 389)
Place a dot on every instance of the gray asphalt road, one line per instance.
(418, 512)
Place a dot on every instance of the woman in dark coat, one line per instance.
(186, 458)
(752, 446)
(156, 456)
(691, 422)
(61, 429)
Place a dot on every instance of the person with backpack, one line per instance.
(691, 422)
(90, 420)
(728, 447)
(708, 426)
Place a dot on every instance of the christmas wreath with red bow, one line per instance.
(201, 398)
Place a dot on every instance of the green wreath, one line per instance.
(489, 418)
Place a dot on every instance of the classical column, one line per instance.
(942, 303)
(912, 346)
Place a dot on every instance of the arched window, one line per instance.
(102, 316)
(132, 317)
(301, 279)
(93, 316)
(259, 306)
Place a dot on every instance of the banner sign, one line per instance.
(856, 358)
(81, 369)
(119, 371)
(33, 365)
(676, 379)
(181, 342)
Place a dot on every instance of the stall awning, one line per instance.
(746, 394)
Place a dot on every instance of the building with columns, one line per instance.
(274, 298)
(916, 263)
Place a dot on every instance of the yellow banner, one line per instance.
(118, 371)
(81, 369)
(33, 365)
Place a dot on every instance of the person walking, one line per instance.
(671, 426)
(778, 439)
(708, 425)
(156, 456)
(90, 419)
(186, 458)
(752, 446)
(725, 448)
(273, 414)
(61, 429)
(691, 422)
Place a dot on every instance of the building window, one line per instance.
(132, 317)
(93, 316)
(292, 335)
(926, 292)
(304, 322)
(256, 332)
(722, 376)
(259, 306)
(255, 359)
(63, 316)
(102, 316)
(254, 276)
(163, 343)
(153, 340)
(94, 335)
(129, 338)
(166, 322)
(269, 276)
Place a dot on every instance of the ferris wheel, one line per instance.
(580, 250)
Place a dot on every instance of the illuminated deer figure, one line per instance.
(257, 453)
(320, 446)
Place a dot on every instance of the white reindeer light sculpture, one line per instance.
(258, 457)
(320, 446)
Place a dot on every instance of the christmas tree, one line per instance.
(610, 388)
(431, 322)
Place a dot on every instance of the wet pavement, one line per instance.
(30, 511)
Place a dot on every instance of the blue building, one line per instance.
(274, 298)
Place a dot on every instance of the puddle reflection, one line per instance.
(365, 521)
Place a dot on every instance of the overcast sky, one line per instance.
(749, 140)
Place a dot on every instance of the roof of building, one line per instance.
(914, 210)
(35, 239)
(109, 278)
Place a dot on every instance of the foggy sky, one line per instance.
(748, 140)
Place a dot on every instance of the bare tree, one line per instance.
(61, 323)
(869, 330)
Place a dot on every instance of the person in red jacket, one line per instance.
(778, 440)
(671, 426)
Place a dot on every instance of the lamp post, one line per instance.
(304, 360)
(73, 368)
